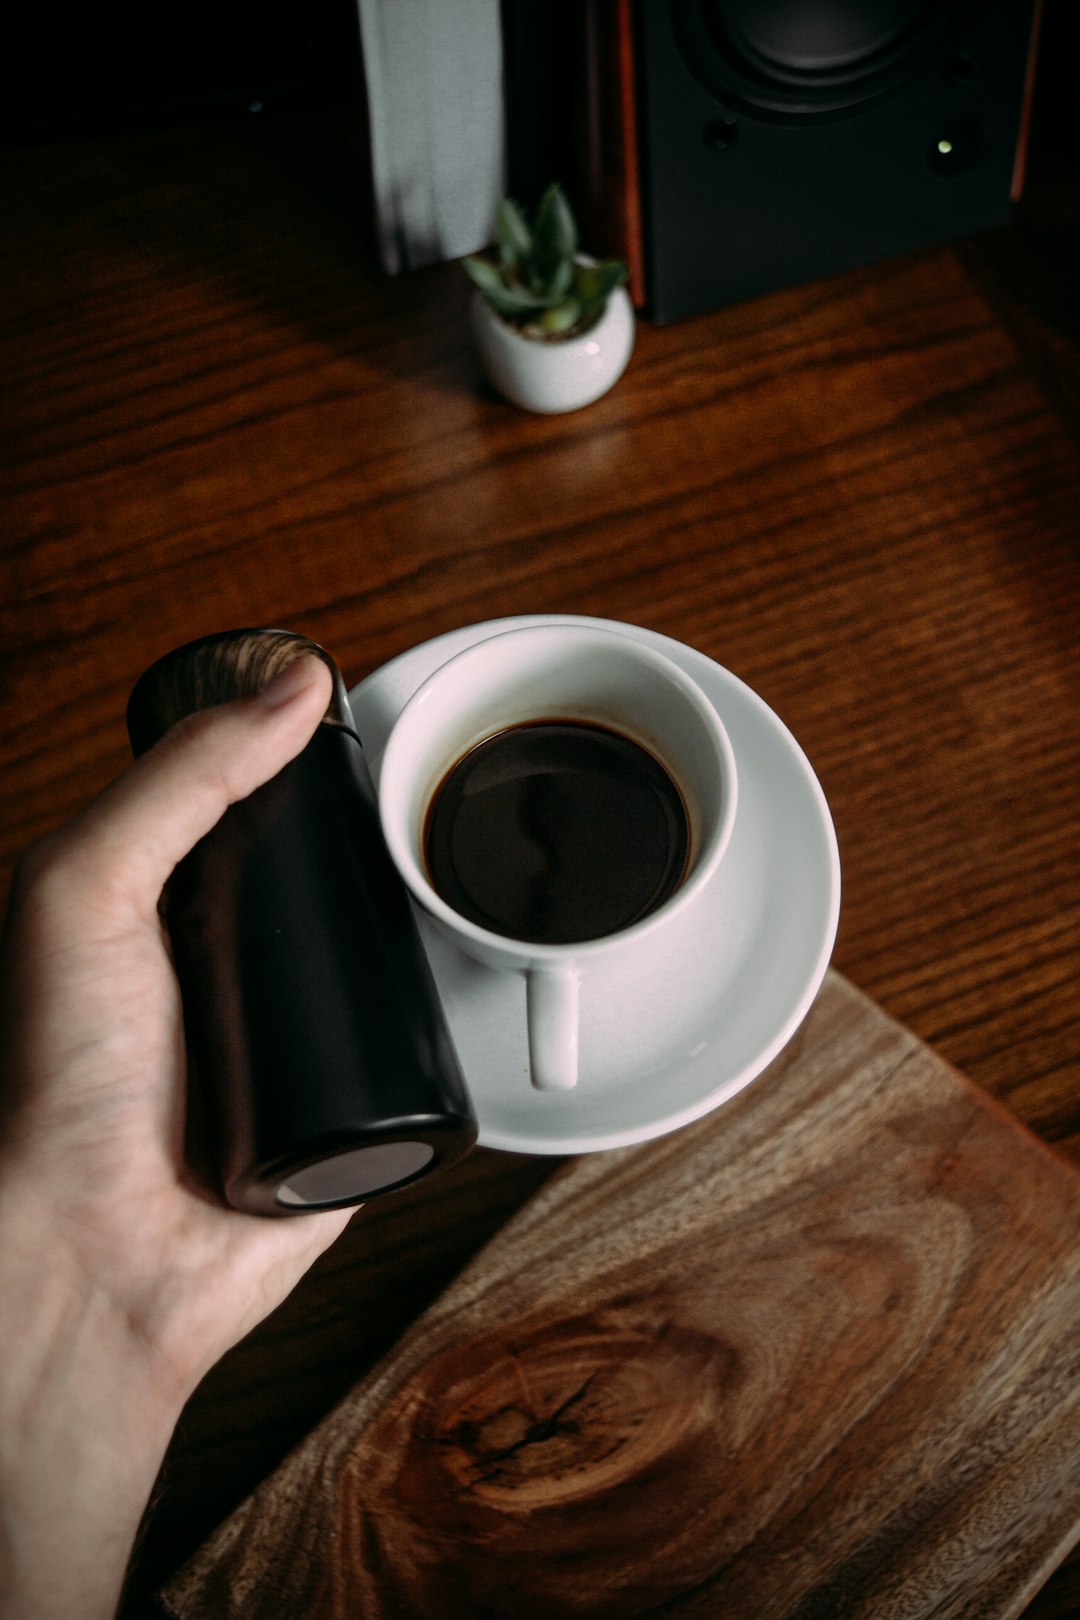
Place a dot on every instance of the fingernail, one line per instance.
(289, 682)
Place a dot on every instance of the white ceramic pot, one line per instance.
(559, 375)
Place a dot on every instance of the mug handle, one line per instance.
(552, 1002)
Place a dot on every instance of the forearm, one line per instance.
(84, 1424)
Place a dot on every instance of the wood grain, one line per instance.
(861, 496)
(815, 1355)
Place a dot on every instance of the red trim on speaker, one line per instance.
(611, 138)
(1020, 162)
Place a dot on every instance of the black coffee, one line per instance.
(556, 832)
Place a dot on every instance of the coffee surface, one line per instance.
(556, 832)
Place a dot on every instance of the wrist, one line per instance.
(85, 1419)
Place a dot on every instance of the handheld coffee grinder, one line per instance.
(315, 1032)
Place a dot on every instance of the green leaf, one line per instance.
(487, 276)
(594, 285)
(562, 225)
(516, 306)
(561, 281)
(516, 303)
(598, 281)
(561, 319)
(512, 233)
(554, 234)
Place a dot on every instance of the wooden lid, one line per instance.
(216, 669)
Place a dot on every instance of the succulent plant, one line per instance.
(539, 281)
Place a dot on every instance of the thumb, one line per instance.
(127, 842)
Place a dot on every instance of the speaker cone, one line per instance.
(807, 58)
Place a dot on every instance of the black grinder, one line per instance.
(315, 1032)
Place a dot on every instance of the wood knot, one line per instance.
(587, 1437)
(573, 1412)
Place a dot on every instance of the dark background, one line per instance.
(71, 70)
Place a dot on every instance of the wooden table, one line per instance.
(861, 496)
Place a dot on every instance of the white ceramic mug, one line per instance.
(575, 673)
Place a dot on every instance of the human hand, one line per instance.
(121, 1281)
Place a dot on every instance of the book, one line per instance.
(433, 71)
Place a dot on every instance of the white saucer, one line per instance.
(660, 1050)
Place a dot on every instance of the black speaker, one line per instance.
(783, 140)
